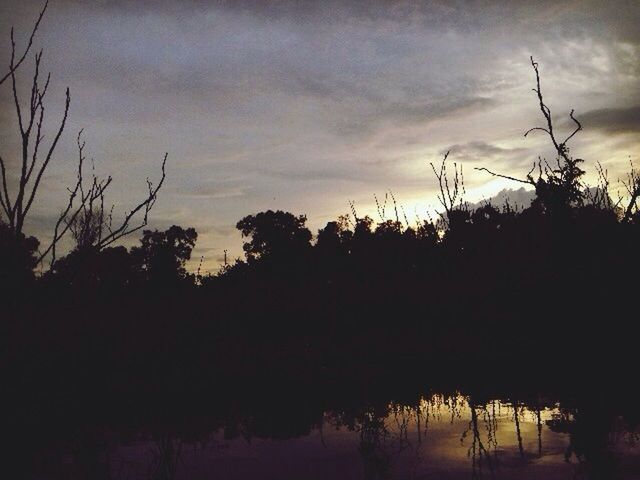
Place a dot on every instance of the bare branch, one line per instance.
(536, 128)
(49, 155)
(146, 205)
(68, 218)
(561, 147)
(450, 196)
(578, 128)
(529, 182)
(15, 64)
(543, 108)
(84, 213)
(556, 187)
(57, 234)
(633, 188)
(6, 204)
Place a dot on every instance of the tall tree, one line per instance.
(84, 212)
(161, 256)
(279, 234)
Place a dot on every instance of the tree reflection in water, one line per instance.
(440, 434)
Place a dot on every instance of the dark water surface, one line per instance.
(438, 437)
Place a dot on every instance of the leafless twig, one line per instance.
(17, 62)
(632, 184)
(31, 166)
(451, 190)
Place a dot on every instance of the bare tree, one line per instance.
(562, 181)
(562, 184)
(84, 213)
(69, 215)
(32, 164)
(92, 225)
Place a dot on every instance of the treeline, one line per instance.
(499, 283)
(493, 299)
(494, 279)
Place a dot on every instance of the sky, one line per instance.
(306, 106)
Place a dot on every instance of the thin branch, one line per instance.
(67, 219)
(146, 205)
(563, 180)
(49, 154)
(578, 128)
(633, 188)
(57, 234)
(536, 128)
(545, 110)
(529, 182)
(6, 204)
(14, 65)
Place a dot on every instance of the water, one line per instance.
(438, 437)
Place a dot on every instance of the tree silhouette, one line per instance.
(274, 234)
(94, 270)
(18, 258)
(31, 122)
(558, 187)
(84, 212)
(161, 256)
(334, 239)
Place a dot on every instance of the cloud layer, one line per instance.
(306, 105)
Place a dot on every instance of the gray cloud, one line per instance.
(303, 105)
(212, 191)
(613, 120)
(480, 150)
(623, 15)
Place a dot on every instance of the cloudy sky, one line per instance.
(305, 106)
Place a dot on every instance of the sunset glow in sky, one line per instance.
(304, 106)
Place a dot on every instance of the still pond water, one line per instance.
(441, 437)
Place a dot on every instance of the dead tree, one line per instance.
(35, 156)
(68, 217)
(92, 225)
(554, 184)
(562, 184)
(84, 213)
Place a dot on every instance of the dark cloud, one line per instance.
(467, 15)
(612, 120)
(213, 191)
(480, 149)
(413, 113)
